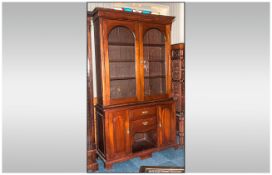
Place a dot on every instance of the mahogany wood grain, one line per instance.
(117, 139)
(120, 128)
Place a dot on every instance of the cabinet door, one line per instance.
(155, 59)
(118, 144)
(167, 125)
(120, 53)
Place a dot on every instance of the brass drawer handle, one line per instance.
(144, 112)
(145, 123)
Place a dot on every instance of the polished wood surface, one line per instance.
(135, 111)
(116, 47)
(159, 128)
(121, 15)
(167, 125)
(117, 134)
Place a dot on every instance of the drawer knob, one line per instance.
(145, 123)
(144, 112)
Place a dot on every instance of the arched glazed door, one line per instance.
(121, 62)
(155, 62)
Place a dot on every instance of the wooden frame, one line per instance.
(108, 25)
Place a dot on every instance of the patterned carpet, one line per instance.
(168, 157)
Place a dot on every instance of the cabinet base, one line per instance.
(143, 155)
(107, 165)
(146, 156)
(92, 164)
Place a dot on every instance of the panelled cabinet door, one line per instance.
(118, 134)
(155, 54)
(120, 53)
(167, 125)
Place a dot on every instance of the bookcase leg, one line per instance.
(108, 165)
(92, 164)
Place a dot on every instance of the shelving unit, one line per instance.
(135, 109)
(178, 85)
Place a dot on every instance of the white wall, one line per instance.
(177, 10)
(171, 9)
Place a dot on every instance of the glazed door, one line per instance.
(118, 144)
(121, 52)
(155, 60)
(167, 125)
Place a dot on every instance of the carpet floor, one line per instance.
(168, 157)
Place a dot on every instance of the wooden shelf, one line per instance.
(120, 44)
(156, 60)
(121, 60)
(132, 44)
(121, 78)
(155, 76)
(154, 45)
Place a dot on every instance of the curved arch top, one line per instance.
(121, 34)
(154, 35)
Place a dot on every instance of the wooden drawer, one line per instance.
(143, 125)
(142, 113)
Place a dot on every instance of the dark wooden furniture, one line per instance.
(91, 146)
(135, 111)
(178, 85)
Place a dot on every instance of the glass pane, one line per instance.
(154, 62)
(122, 63)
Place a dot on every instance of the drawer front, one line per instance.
(142, 113)
(143, 125)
